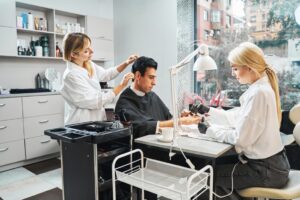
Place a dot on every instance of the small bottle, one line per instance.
(19, 50)
(38, 81)
(57, 51)
(29, 52)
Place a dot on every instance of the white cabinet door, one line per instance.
(8, 41)
(12, 152)
(42, 105)
(11, 130)
(99, 28)
(40, 146)
(10, 108)
(7, 13)
(103, 50)
(35, 126)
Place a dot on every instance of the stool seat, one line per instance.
(290, 191)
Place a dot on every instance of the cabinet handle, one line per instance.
(5, 149)
(101, 37)
(3, 127)
(46, 141)
(44, 121)
(2, 104)
(43, 101)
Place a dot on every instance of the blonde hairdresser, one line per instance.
(84, 100)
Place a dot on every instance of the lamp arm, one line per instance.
(185, 61)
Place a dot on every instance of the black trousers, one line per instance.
(270, 172)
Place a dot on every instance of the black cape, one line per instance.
(142, 111)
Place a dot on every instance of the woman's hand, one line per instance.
(124, 82)
(126, 78)
(131, 59)
(190, 120)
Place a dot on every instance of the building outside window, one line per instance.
(276, 32)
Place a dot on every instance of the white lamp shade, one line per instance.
(204, 62)
(297, 15)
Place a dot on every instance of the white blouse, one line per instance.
(84, 100)
(253, 127)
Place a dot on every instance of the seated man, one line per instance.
(142, 107)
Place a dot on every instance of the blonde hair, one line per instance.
(250, 55)
(73, 43)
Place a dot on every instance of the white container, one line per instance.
(30, 21)
(38, 51)
(19, 22)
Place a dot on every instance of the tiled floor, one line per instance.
(39, 181)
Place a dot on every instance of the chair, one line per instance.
(290, 191)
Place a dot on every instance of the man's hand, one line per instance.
(199, 108)
(186, 113)
(190, 120)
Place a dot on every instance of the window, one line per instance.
(228, 2)
(216, 16)
(253, 19)
(205, 15)
(272, 29)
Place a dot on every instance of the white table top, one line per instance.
(188, 145)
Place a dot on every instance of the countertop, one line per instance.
(27, 94)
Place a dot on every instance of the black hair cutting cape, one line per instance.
(142, 111)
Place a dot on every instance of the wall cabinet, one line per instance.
(16, 41)
(7, 14)
(49, 27)
(22, 124)
(101, 32)
(8, 38)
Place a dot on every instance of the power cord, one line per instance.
(171, 154)
(231, 191)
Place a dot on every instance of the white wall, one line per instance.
(148, 28)
(98, 8)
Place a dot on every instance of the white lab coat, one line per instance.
(84, 100)
(253, 128)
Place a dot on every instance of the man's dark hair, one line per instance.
(142, 63)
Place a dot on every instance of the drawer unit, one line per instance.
(11, 130)
(23, 120)
(10, 108)
(12, 152)
(40, 146)
(42, 105)
(35, 126)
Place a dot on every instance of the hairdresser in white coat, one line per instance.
(253, 128)
(81, 89)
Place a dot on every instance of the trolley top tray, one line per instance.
(92, 132)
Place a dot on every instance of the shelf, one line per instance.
(60, 34)
(34, 57)
(32, 7)
(20, 30)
